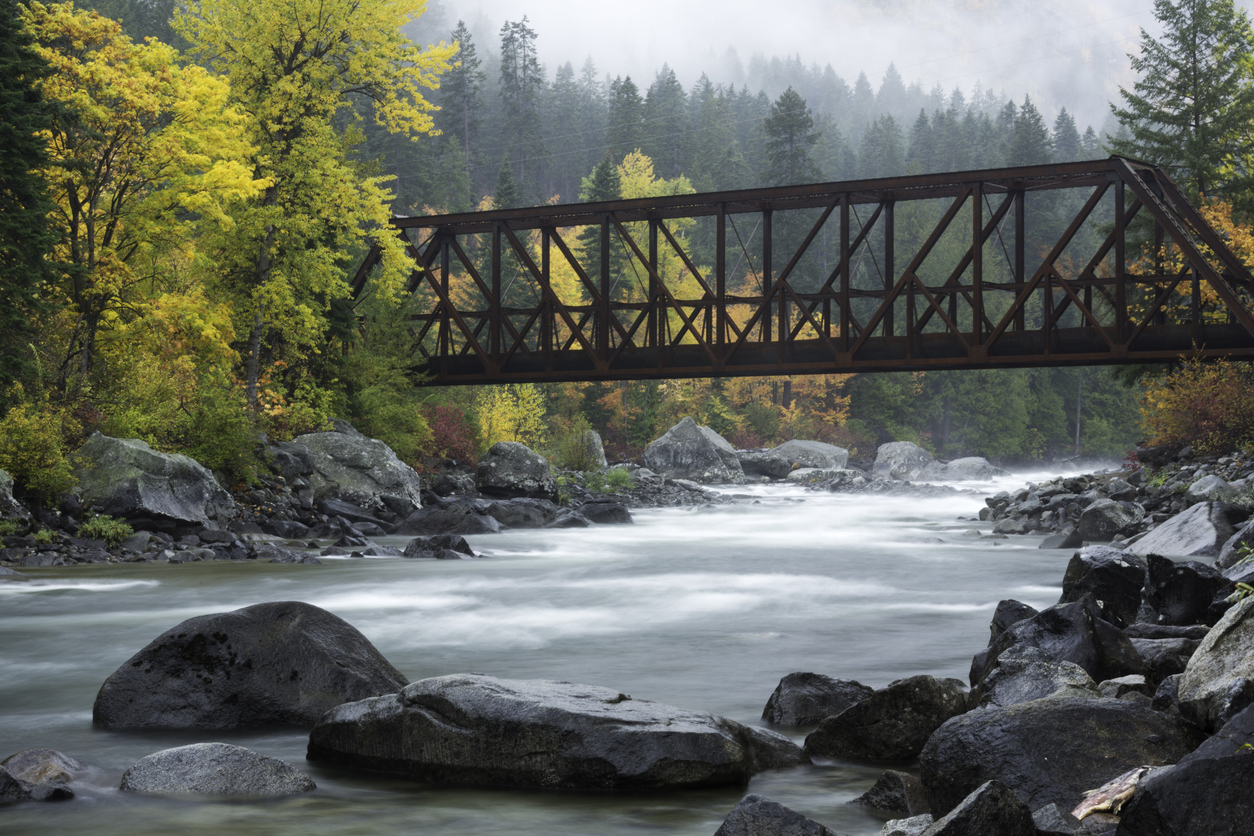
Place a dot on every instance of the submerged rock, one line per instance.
(284, 663)
(45, 774)
(214, 769)
(480, 730)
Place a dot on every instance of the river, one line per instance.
(702, 608)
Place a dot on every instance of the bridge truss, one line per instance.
(1070, 264)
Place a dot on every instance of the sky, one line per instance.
(1068, 53)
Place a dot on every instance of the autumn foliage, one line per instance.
(1210, 405)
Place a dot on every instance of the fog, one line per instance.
(1061, 52)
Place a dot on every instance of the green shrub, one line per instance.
(577, 450)
(44, 536)
(103, 527)
(595, 482)
(33, 451)
(9, 527)
(619, 479)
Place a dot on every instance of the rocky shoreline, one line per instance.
(1126, 709)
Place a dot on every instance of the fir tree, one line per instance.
(506, 195)
(1192, 110)
(1066, 138)
(604, 184)
(880, 154)
(790, 140)
(522, 81)
(625, 127)
(1029, 139)
(919, 157)
(666, 124)
(26, 235)
(461, 100)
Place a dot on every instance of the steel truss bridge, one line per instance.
(1036, 266)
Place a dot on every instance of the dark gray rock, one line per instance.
(913, 826)
(961, 470)
(1210, 792)
(1230, 554)
(1141, 630)
(991, 808)
(124, 477)
(1200, 531)
(6, 572)
(456, 518)
(803, 699)
(282, 663)
(523, 513)
(1221, 664)
(1113, 578)
(1105, 519)
(895, 792)
(1052, 820)
(1023, 674)
(436, 546)
(1048, 751)
(1182, 593)
(214, 769)
(1008, 613)
(360, 470)
(892, 724)
(696, 453)
(758, 816)
(46, 774)
(451, 483)
(1070, 633)
(1067, 537)
(1124, 685)
(1165, 657)
(479, 730)
(571, 519)
(11, 789)
(290, 460)
(510, 469)
(792, 455)
(901, 460)
(606, 512)
(347, 510)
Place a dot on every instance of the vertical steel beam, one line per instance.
(495, 303)
(657, 319)
(977, 266)
(767, 279)
(720, 284)
(1121, 265)
(548, 327)
(890, 269)
(603, 341)
(845, 323)
(1021, 244)
(445, 339)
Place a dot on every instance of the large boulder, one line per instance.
(510, 469)
(278, 664)
(1210, 792)
(758, 816)
(1113, 578)
(1069, 633)
(1105, 519)
(696, 453)
(962, 470)
(361, 470)
(523, 512)
(992, 808)
(803, 699)
(214, 769)
(901, 460)
(895, 792)
(1222, 664)
(124, 477)
(1182, 593)
(1200, 531)
(892, 724)
(795, 454)
(1048, 751)
(1024, 674)
(480, 730)
(454, 518)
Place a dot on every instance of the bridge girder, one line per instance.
(1003, 268)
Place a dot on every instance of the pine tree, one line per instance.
(1029, 139)
(790, 140)
(666, 124)
(1066, 138)
(1192, 110)
(624, 131)
(604, 184)
(1090, 143)
(880, 154)
(461, 100)
(919, 158)
(506, 195)
(26, 235)
(522, 81)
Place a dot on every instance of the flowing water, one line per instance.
(701, 608)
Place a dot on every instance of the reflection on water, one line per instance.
(702, 608)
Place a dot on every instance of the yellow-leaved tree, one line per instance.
(145, 155)
(512, 413)
(301, 69)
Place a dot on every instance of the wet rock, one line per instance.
(455, 518)
(961, 470)
(895, 792)
(913, 826)
(124, 477)
(796, 454)
(696, 453)
(758, 816)
(360, 470)
(1200, 531)
(214, 769)
(802, 699)
(992, 808)
(46, 774)
(571, 519)
(6, 572)
(1111, 577)
(1230, 554)
(1106, 519)
(479, 730)
(1182, 593)
(1008, 613)
(1023, 674)
(901, 460)
(1070, 633)
(1048, 751)
(1165, 657)
(1213, 488)
(11, 789)
(290, 460)
(510, 470)
(1067, 537)
(435, 546)
(1124, 685)
(892, 724)
(347, 510)
(606, 512)
(1222, 663)
(451, 483)
(1210, 792)
(523, 513)
(1052, 820)
(282, 663)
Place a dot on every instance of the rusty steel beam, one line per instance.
(1041, 273)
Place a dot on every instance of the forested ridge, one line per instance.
(203, 204)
